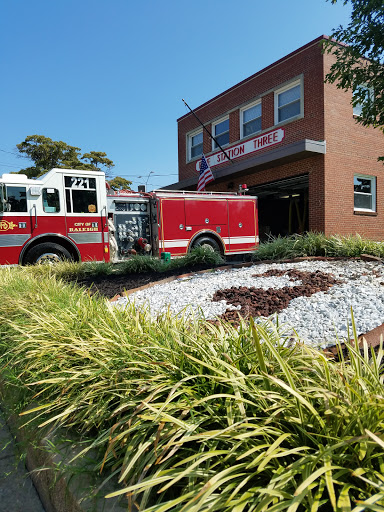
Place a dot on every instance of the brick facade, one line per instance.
(306, 181)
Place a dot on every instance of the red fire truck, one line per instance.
(68, 214)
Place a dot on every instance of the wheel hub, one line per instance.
(48, 258)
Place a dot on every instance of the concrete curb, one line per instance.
(53, 492)
(57, 493)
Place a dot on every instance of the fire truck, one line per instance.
(70, 214)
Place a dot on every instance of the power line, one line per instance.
(13, 153)
(145, 175)
(10, 165)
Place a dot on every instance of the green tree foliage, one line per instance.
(120, 183)
(359, 62)
(47, 154)
(98, 161)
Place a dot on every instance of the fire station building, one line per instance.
(295, 142)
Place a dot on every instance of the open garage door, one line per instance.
(283, 206)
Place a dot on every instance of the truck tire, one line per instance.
(47, 253)
(208, 242)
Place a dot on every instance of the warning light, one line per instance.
(244, 186)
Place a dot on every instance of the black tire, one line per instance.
(47, 253)
(207, 241)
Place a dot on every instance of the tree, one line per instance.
(120, 183)
(97, 160)
(47, 154)
(359, 62)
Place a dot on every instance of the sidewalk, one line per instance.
(17, 492)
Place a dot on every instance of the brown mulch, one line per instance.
(116, 284)
(260, 302)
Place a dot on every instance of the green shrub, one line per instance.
(317, 244)
(201, 256)
(194, 416)
(137, 264)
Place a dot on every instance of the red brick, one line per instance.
(350, 147)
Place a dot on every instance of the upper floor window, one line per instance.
(288, 102)
(195, 142)
(364, 193)
(221, 133)
(360, 94)
(250, 120)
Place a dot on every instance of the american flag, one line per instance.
(205, 175)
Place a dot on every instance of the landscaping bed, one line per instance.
(111, 285)
(177, 413)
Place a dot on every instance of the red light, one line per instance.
(244, 186)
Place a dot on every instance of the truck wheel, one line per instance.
(47, 253)
(207, 242)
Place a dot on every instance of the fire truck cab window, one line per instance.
(80, 194)
(16, 199)
(1, 198)
(51, 201)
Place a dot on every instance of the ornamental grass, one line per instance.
(138, 264)
(317, 244)
(188, 416)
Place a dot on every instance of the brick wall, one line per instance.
(306, 62)
(351, 148)
(328, 115)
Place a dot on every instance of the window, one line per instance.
(51, 201)
(195, 145)
(288, 102)
(16, 199)
(362, 93)
(250, 120)
(80, 194)
(221, 133)
(2, 197)
(364, 193)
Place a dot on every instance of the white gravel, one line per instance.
(317, 319)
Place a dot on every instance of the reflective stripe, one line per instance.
(86, 238)
(13, 240)
(175, 243)
(241, 240)
(233, 241)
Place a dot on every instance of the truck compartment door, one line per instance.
(172, 237)
(204, 212)
(243, 234)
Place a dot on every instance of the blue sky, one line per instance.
(110, 75)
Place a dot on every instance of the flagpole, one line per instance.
(206, 129)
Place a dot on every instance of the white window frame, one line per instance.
(285, 88)
(242, 110)
(189, 144)
(222, 119)
(372, 194)
(357, 113)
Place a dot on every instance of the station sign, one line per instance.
(245, 148)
